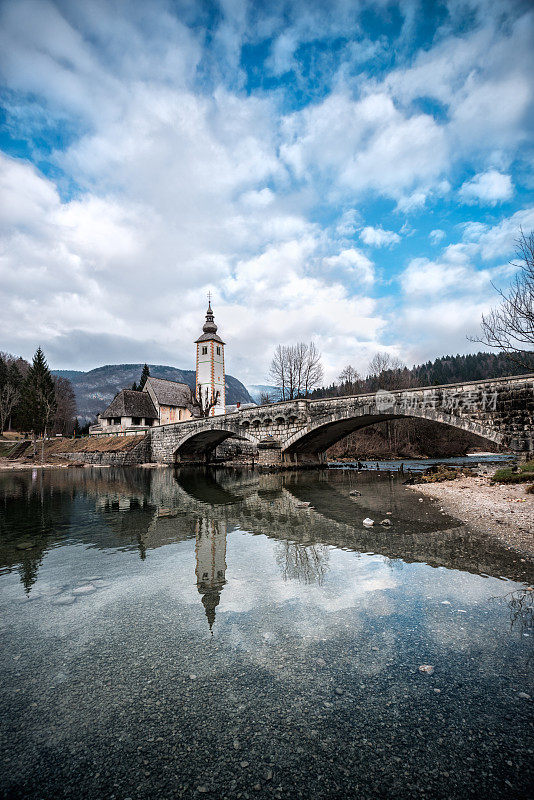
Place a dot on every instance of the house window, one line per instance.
(204, 351)
(218, 351)
(136, 420)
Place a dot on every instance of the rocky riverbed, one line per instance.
(503, 511)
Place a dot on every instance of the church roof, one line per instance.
(209, 328)
(129, 403)
(209, 337)
(169, 393)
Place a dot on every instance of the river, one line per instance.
(181, 634)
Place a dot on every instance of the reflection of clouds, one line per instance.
(348, 581)
(448, 600)
(260, 613)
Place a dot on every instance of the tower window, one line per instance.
(204, 351)
(218, 351)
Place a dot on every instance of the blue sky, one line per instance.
(351, 172)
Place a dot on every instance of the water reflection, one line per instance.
(148, 509)
(210, 551)
(309, 685)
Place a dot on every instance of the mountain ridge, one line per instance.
(96, 388)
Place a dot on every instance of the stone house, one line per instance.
(128, 410)
(159, 403)
(172, 400)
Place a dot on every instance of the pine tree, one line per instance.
(144, 375)
(39, 397)
(134, 387)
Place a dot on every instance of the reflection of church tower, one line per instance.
(210, 378)
(211, 563)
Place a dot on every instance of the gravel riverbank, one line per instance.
(503, 511)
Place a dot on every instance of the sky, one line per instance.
(352, 172)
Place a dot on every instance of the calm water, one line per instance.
(421, 464)
(180, 635)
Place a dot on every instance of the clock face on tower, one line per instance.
(210, 379)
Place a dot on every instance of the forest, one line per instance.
(34, 400)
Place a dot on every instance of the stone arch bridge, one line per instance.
(298, 432)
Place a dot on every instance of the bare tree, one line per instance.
(265, 399)
(386, 372)
(349, 380)
(12, 373)
(9, 397)
(278, 370)
(296, 370)
(65, 406)
(313, 373)
(306, 563)
(510, 326)
(202, 402)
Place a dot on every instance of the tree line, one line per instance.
(388, 372)
(32, 399)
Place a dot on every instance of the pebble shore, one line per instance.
(502, 511)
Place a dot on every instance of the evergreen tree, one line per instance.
(144, 375)
(134, 387)
(39, 397)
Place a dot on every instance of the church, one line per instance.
(162, 402)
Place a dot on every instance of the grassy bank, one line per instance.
(524, 473)
(92, 444)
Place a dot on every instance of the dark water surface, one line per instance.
(420, 464)
(191, 634)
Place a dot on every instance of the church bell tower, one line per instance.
(210, 366)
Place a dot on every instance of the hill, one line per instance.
(96, 388)
(256, 390)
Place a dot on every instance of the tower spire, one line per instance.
(210, 378)
(209, 326)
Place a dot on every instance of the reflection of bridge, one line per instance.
(300, 431)
(143, 510)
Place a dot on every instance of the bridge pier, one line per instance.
(272, 455)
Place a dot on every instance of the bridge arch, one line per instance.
(320, 433)
(198, 445)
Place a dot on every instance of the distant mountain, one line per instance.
(96, 389)
(257, 389)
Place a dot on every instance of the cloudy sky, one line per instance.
(350, 171)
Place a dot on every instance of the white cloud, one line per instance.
(355, 262)
(487, 188)
(378, 237)
(445, 323)
(412, 202)
(180, 178)
(481, 78)
(498, 241)
(76, 271)
(364, 145)
(454, 273)
(436, 236)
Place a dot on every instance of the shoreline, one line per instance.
(504, 512)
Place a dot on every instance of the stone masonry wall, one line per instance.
(501, 410)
